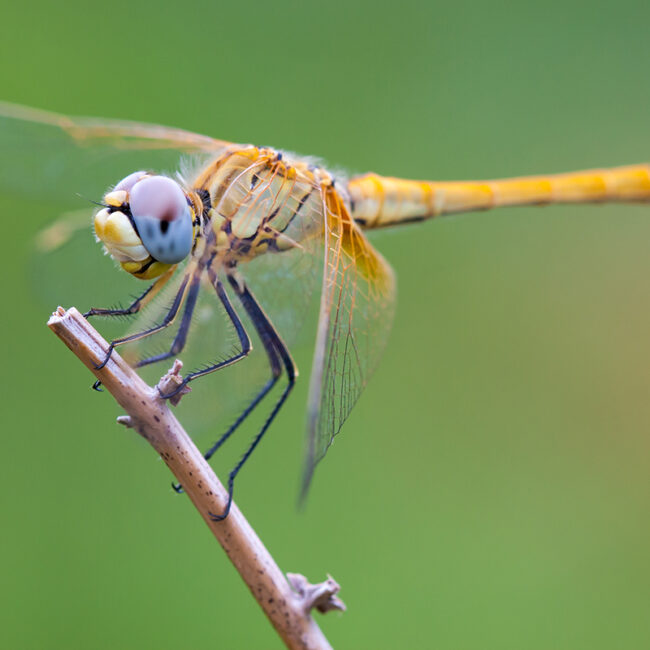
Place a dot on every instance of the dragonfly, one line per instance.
(236, 210)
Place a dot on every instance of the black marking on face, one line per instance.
(125, 208)
(145, 267)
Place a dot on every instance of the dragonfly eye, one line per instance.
(162, 217)
(126, 184)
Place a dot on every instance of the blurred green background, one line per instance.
(490, 490)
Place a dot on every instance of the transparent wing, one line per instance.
(291, 205)
(59, 158)
(356, 313)
(282, 281)
(259, 191)
(215, 399)
(284, 284)
(51, 169)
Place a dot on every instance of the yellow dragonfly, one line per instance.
(236, 211)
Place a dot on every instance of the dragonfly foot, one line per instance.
(180, 389)
(178, 488)
(219, 517)
(227, 508)
(106, 358)
(173, 393)
(96, 386)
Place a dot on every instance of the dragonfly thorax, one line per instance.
(259, 200)
(147, 224)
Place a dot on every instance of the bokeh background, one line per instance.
(490, 490)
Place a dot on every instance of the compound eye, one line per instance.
(127, 183)
(163, 218)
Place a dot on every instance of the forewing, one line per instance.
(61, 158)
(356, 313)
(52, 168)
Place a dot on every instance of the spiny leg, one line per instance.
(168, 320)
(235, 425)
(133, 308)
(181, 336)
(140, 302)
(244, 339)
(276, 372)
(267, 333)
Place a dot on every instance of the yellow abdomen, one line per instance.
(378, 201)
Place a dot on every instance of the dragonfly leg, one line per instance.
(181, 336)
(140, 302)
(235, 425)
(133, 308)
(251, 449)
(168, 320)
(271, 338)
(244, 339)
(276, 372)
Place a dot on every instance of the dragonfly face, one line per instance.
(147, 224)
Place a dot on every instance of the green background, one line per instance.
(490, 490)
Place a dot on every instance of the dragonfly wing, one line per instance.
(51, 168)
(284, 284)
(356, 313)
(60, 158)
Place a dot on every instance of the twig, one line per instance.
(288, 610)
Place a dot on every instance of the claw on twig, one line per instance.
(171, 381)
(321, 596)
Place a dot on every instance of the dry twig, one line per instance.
(288, 610)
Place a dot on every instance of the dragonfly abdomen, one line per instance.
(379, 201)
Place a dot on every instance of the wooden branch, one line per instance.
(288, 610)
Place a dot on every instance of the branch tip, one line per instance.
(321, 596)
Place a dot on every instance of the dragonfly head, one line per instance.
(147, 224)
